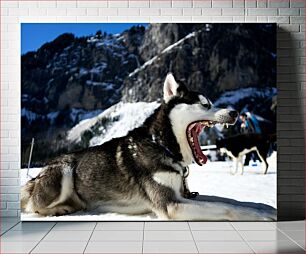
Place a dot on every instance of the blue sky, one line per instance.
(34, 35)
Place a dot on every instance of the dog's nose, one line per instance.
(233, 113)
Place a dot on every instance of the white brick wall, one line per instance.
(289, 14)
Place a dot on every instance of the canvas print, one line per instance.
(148, 122)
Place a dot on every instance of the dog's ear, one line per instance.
(172, 88)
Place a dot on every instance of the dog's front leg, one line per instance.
(264, 164)
(236, 164)
(163, 193)
(241, 162)
(212, 211)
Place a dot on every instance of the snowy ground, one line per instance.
(214, 179)
(214, 183)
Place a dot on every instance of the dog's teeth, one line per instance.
(204, 123)
(226, 125)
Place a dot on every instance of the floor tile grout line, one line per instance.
(244, 240)
(135, 230)
(42, 238)
(291, 230)
(193, 237)
(158, 240)
(143, 232)
(290, 238)
(273, 224)
(93, 230)
(10, 228)
(232, 226)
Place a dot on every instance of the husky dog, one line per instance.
(141, 172)
(237, 146)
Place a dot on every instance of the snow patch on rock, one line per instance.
(124, 117)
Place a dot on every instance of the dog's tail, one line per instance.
(26, 192)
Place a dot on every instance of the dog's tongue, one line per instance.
(201, 158)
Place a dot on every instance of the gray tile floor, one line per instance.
(152, 237)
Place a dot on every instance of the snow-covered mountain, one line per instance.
(71, 79)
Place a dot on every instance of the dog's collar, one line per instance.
(167, 151)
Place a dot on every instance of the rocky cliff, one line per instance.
(211, 58)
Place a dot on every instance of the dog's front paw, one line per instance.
(252, 215)
(270, 216)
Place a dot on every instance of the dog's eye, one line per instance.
(206, 105)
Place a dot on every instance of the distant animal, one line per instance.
(239, 145)
(142, 172)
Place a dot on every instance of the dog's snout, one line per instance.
(233, 113)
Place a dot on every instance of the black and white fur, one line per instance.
(236, 147)
(139, 173)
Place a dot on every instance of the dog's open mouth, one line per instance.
(193, 131)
